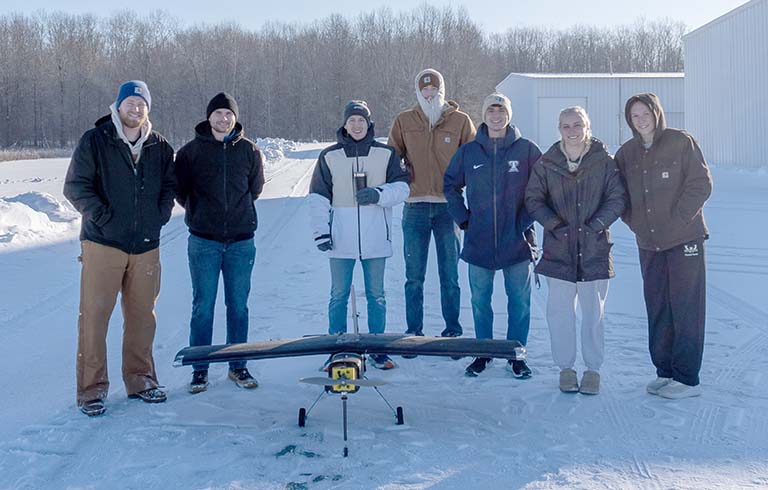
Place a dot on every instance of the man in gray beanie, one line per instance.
(219, 175)
(121, 180)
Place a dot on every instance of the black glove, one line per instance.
(465, 224)
(367, 196)
(324, 243)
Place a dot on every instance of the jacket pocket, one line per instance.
(556, 246)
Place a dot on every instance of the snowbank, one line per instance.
(274, 149)
(35, 216)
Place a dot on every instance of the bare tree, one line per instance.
(59, 72)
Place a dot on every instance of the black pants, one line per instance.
(674, 285)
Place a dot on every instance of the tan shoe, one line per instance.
(590, 383)
(568, 381)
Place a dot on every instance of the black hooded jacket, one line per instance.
(123, 205)
(217, 182)
(667, 184)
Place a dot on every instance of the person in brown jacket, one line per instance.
(121, 181)
(668, 182)
(426, 137)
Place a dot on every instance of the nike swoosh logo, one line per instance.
(477, 166)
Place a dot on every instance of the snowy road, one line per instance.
(488, 432)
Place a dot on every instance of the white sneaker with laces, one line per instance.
(654, 386)
(675, 390)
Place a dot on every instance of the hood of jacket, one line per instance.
(203, 132)
(353, 147)
(107, 126)
(555, 159)
(654, 104)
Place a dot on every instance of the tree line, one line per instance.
(59, 72)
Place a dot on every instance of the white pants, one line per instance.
(561, 318)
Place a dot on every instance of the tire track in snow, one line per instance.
(289, 211)
(751, 315)
(643, 472)
(754, 347)
(618, 416)
(284, 168)
(724, 424)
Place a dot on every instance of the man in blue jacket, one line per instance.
(494, 169)
(220, 175)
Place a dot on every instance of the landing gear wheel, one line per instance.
(302, 417)
(399, 415)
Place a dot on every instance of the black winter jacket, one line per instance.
(217, 183)
(123, 205)
(576, 210)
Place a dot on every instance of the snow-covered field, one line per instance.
(459, 433)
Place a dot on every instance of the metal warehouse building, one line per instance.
(537, 99)
(726, 86)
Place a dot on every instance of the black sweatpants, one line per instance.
(674, 285)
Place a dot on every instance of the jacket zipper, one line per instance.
(135, 169)
(226, 199)
(495, 218)
(359, 234)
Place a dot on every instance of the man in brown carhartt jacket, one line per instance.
(426, 137)
(668, 182)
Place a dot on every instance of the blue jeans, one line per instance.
(517, 284)
(341, 281)
(234, 261)
(421, 220)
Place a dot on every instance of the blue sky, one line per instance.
(493, 15)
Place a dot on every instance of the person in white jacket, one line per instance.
(354, 186)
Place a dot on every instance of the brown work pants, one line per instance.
(107, 271)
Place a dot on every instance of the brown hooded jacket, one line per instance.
(667, 184)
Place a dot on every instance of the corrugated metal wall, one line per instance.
(726, 85)
(605, 98)
(521, 92)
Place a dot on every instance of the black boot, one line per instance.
(477, 366)
(199, 381)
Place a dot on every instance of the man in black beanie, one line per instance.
(219, 175)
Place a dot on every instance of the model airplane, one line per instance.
(346, 367)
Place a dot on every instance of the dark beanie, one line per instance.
(222, 100)
(427, 78)
(357, 108)
(133, 87)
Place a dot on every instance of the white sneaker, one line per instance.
(654, 386)
(675, 390)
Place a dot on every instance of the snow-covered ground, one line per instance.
(459, 433)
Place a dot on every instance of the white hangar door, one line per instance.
(549, 111)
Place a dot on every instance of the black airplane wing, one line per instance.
(357, 343)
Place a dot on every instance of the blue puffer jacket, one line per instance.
(495, 173)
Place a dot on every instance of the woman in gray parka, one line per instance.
(575, 192)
